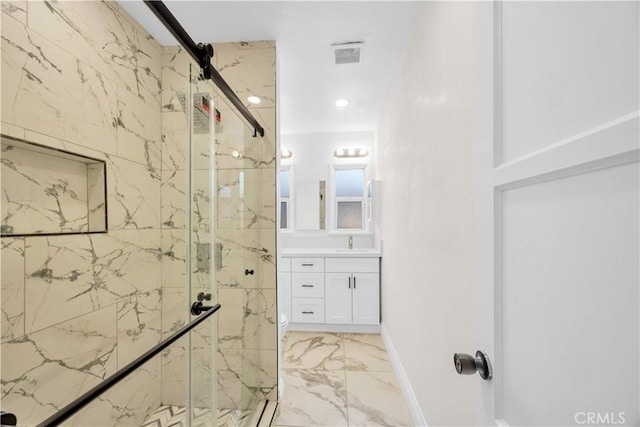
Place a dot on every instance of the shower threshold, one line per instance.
(175, 416)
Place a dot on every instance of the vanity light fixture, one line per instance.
(341, 103)
(351, 152)
(254, 99)
(285, 154)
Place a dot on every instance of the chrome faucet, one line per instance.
(350, 242)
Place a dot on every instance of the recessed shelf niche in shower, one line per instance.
(48, 191)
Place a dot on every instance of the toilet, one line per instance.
(284, 323)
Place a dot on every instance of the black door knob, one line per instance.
(466, 364)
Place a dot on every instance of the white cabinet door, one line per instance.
(366, 299)
(338, 298)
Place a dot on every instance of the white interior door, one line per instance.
(557, 213)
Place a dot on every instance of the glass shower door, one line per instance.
(245, 273)
(201, 401)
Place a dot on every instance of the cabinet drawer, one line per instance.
(307, 310)
(307, 285)
(284, 264)
(352, 265)
(310, 265)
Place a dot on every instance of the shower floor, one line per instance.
(175, 416)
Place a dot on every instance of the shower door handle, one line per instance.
(8, 419)
(197, 308)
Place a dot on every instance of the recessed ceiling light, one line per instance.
(341, 103)
(254, 100)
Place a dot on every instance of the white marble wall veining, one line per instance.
(175, 359)
(245, 377)
(236, 148)
(43, 371)
(16, 9)
(174, 257)
(249, 71)
(40, 84)
(42, 195)
(139, 136)
(139, 325)
(245, 199)
(67, 276)
(101, 34)
(12, 258)
(134, 195)
(250, 320)
(83, 77)
(175, 79)
(242, 250)
(174, 140)
(119, 406)
(267, 117)
(173, 196)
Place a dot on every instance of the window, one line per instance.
(349, 198)
(285, 199)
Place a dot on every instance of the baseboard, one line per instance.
(403, 379)
(325, 327)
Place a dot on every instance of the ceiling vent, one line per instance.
(347, 52)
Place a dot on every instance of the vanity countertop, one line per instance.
(332, 252)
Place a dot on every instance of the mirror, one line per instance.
(311, 202)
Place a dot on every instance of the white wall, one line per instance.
(311, 162)
(425, 164)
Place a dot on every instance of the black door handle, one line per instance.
(8, 419)
(197, 308)
(248, 272)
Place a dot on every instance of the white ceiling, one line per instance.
(309, 82)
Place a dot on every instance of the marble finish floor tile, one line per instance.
(313, 350)
(375, 399)
(321, 391)
(313, 398)
(366, 352)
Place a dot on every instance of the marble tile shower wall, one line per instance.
(84, 77)
(246, 363)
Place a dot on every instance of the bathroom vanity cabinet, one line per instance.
(338, 291)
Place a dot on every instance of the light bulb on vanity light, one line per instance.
(285, 154)
(341, 103)
(351, 152)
